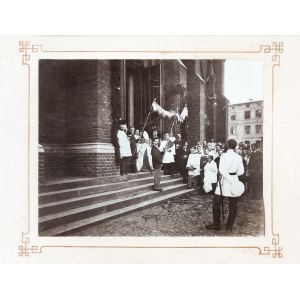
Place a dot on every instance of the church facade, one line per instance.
(81, 101)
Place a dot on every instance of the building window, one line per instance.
(247, 129)
(258, 128)
(247, 143)
(247, 105)
(258, 113)
(247, 114)
(258, 143)
(232, 107)
(233, 130)
(233, 118)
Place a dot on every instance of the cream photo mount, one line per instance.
(31, 243)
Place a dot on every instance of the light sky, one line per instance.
(243, 80)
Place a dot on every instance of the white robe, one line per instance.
(230, 162)
(210, 172)
(168, 153)
(194, 160)
(124, 144)
(141, 151)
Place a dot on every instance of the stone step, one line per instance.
(71, 203)
(93, 189)
(78, 214)
(154, 198)
(65, 183)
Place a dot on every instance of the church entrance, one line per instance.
(141, 85)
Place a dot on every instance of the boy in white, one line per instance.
(193, 166)
(210, 175)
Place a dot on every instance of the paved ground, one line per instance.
(183, 216)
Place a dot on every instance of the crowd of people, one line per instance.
(198, 164)
(222, 170)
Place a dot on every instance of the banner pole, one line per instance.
(144, 128)
(147, 118)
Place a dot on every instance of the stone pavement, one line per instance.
(182, 216)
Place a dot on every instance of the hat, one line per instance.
(122, 122)
(237, 188)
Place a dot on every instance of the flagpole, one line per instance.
(171, 131)
(147, 118)
(144, 127)
(174, 121)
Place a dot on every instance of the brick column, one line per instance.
(41, 170)
(196, 101)
(221, 111)
(174, 78)
(88, 150)
(52, 127)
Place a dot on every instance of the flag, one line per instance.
(162, 112)
(170, 114)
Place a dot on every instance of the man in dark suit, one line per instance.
(157, 163)
(183, 155)
(154, 132)
(255, 169)
(178, 148)
(203, 161)
(132, 141)
(219, 152)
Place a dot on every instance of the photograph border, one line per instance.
(27, 48)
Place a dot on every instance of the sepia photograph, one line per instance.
(150, 147)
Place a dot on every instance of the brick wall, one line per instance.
(52, 101)
(88, 97)
(52, 125)
(221, 102)
(81, 102)
(54, 164)
(104, 101)
(92, 164)
(193, 101)
(203, 103)
(75, 103)
(41, 170)
(89, 117)
(174, 76)
(215, 107)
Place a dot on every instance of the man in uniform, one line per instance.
(231, 166)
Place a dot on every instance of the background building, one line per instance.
(81, 101)
(245, 122)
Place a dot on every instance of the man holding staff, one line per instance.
(231, 166)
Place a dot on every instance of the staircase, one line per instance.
(72, 205)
